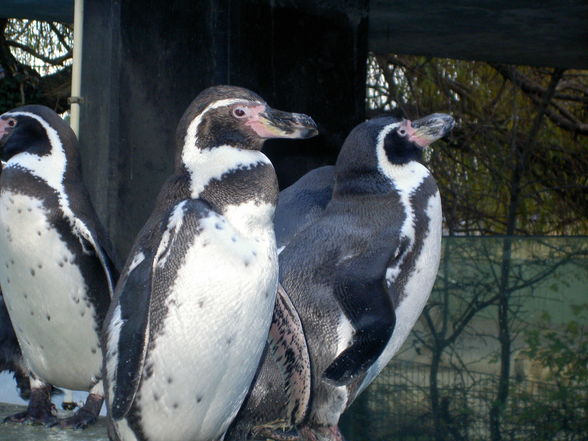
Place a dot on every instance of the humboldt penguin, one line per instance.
(357, 276)
(56, 270)
(190, 318)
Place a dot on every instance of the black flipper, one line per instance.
(366, 301)
(10, 355)
(133, 337)
(90, 243)
(134, 296)
(288, 348)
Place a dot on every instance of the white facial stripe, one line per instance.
(382, 136)
(191, 138)
(406, 177)
(50, 168)
(206, 165)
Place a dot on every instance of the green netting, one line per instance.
(544, 281)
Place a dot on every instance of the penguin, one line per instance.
(357, 276)
(191, 313)
(56, 269)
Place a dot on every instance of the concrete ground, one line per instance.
(11, 403)
(20, 432)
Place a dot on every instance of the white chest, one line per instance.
(219, 311)
(46, 296)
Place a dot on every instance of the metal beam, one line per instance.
(50, 10)
(529, 32)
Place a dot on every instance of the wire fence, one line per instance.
(397, 407)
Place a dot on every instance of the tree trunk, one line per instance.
(434, 393)
(520, 154)
(504, 339)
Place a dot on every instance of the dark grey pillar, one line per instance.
(144, 61)
(99, 112)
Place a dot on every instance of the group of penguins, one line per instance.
(241, 312)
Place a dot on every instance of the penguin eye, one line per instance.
(239, 112)
(402, 132)
(11, 122)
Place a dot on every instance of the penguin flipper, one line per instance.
(361, 291)
(132, 328)
(144, 282)
(290, 351)
(10, 354)
(89, 240)
(355, 360)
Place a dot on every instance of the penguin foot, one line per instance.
(40, 410)
(26, 418)
(271, 433)
(330, 433)
(85, 416)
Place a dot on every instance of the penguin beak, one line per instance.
(425, 131)
(277, 124)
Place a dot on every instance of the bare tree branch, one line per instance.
(563, 119)
(60, 37)
(53, 61)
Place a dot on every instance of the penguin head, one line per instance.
(236, 117)
(404, 141)
(32, 129)
(391, 140)
(376, 148)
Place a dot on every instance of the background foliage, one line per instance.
(35, 63)
(515, 170)
(519, 152)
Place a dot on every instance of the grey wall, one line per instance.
(144, 61)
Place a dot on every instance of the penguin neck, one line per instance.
(52, 157)
(357, 182)
(205, 165)
(237, 183)
(59, 168)
(405, 178)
